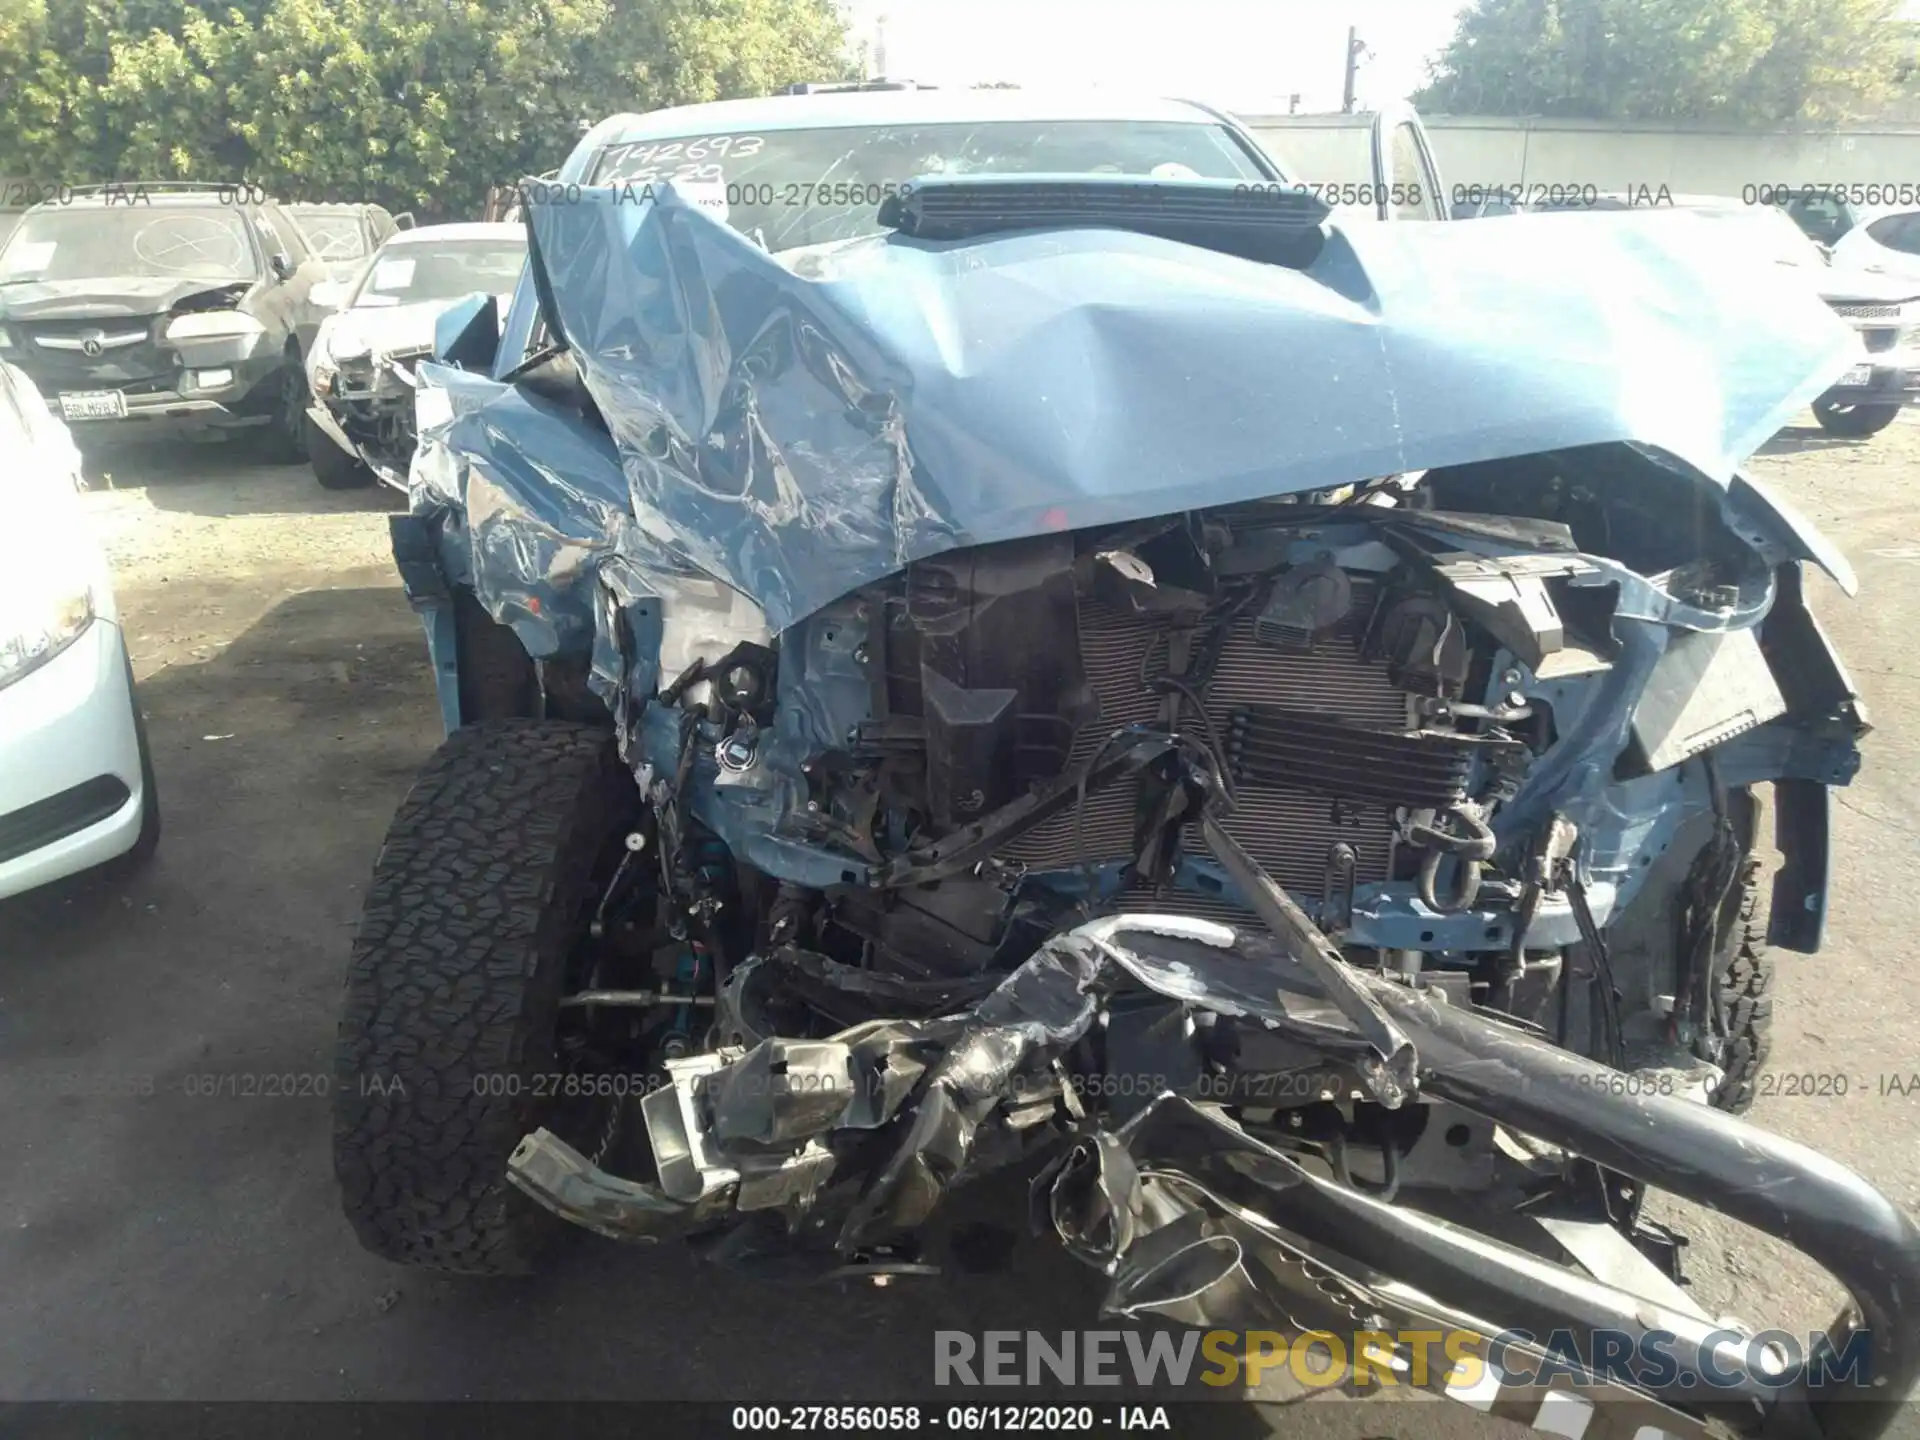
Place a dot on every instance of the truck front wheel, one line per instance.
(450, 1045)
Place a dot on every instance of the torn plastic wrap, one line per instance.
(724, 1127)
(842, 1146)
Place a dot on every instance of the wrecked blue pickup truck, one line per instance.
(1059, 651)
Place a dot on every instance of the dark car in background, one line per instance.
(145, 307)
(343, 236)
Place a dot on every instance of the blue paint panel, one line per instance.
(799, 429)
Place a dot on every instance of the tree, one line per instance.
(419, 107)
(1744, 61)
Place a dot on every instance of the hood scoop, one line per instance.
(1257, 220)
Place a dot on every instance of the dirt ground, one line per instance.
(163, 1236)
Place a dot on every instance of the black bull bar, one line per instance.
(1197, 1220)
(1346, 1243)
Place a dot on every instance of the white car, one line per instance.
(1883, 240)
(360, 369)
(1881, 302)
(76, 776)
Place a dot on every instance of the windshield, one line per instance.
(788, 188)
(122, 241)
(333, 236)
(446, 270)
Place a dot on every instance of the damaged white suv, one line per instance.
(361, 423)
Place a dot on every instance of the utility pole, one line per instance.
(1355, 49)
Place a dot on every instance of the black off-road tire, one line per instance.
(470, 936)
(333, 467)
(1743, 998)
(1855, 422)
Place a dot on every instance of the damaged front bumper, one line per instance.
(366, 407)
(1130, 1045)
(1883, 381)
(222, 390)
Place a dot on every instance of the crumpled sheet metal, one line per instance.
(531, 509)
(956, 1079)
(798, 432)
(1175, 1203)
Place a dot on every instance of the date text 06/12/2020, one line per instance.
(964, 1419)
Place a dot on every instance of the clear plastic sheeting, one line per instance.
(940, 1088)
(953, 1094)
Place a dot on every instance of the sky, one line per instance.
(1247, 55)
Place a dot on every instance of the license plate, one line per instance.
(92, 405)
(1858, 375)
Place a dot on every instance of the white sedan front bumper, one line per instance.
(71, 794)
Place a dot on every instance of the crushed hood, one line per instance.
(105, 298)
(800, 435)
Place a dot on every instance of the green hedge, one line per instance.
(417, 106)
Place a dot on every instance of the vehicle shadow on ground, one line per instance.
(288, 717)
(167, 1045)
(1809, 440)
(221, 478)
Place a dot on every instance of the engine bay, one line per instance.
(1393, 686)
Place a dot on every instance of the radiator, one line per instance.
(1288, 830)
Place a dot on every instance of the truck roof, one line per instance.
(823, 110)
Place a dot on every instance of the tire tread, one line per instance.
(472, 911)
(1745, 998)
